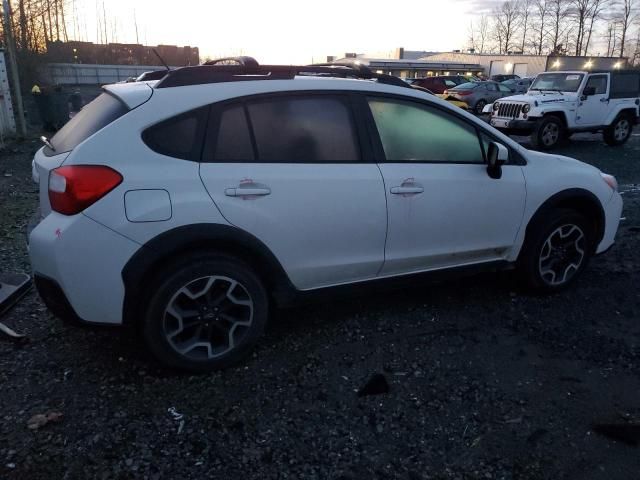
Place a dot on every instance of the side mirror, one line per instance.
(589, 91)
(497, 155)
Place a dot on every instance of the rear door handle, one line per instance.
(406, 190)
(246, 192)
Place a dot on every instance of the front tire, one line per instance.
(206, 313)
(556, 251)
(479, 106)
(619, 131)
(548, 133)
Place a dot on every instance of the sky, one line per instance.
(281, 31)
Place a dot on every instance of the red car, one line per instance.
(440, 83)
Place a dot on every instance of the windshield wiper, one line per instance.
(46, 141)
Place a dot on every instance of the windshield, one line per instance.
(466, 86)
(94, 116)
(557, 82)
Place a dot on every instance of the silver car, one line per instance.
(518, 85)
(479, 94)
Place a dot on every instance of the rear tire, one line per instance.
(619, 131)
(556, 251)
(548, 133)
(205, 313)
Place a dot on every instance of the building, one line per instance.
(528, 65)
(120, 54)
(411, 64)
(418, 68)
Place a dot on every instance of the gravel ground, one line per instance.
(485, 382)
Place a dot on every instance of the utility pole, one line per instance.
(15, 78)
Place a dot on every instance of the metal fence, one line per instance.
(84, 74)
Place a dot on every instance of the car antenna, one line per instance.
(161, 60)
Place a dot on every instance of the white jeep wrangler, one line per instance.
(561, 103)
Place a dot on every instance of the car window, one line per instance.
(304, 129)
(491, 87)
(412, 132)
(599, 82)
(180, 136)
(96, 115)
(228, 136)
(504, 88)
(450, 83)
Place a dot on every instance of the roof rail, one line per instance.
(236, 69)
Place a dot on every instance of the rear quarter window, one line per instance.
(180, 136)
(625, 85)
(96, 115)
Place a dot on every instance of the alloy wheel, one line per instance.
(562, 254)
(550, 134)
(621, 130)
(208, 317)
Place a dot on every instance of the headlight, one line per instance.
(496, 105)
(526, 108)
(610, 180)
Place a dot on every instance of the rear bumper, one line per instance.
(55, 299)
(83, 261)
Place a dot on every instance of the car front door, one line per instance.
(443, 208)
(593, 103)
(289, 170)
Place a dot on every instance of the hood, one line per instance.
(552, 158)
(546, 98)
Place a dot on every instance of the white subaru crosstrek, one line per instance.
(191, 205)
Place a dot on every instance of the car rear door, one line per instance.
(290, 170)
(443, 208)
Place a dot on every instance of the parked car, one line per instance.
(192, 206)
(440, 83)
(478, 94)
(502, 78)
(447, 98)
(561, 103)
(518, 85)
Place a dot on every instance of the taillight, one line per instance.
(75, 187)
(464, 92)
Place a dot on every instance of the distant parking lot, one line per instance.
(484, 381)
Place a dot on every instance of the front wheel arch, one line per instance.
(577, 199)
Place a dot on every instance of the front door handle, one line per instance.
(409, 186)
(407, 190)
(247, 192)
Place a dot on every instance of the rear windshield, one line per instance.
(94, 116)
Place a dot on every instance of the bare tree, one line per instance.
(541, 12)
(472, 37)
(483, 32)
(625, 17)
(597, 9)
(507, 20)
(581, 11)
(525, 8)
(558, 11)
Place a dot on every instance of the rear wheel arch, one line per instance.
(629, 112)
(578, 200)
(157, 255)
